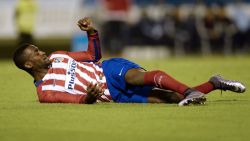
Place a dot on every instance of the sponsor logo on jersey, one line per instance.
(58, 60)
(70, 75)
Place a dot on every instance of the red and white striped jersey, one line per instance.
(67, 78)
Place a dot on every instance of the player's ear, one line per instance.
(28, 65)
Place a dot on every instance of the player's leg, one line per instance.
(164, 96)
(127, 82)
(222, 84)
(205, 88)
(158, 79)
(214, 83)
(219, 83)
(162, 80)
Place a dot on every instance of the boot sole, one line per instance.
(193, 101)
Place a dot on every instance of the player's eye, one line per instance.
(36, 52)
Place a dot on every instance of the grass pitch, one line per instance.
(225, 117)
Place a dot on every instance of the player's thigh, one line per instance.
(135, 76)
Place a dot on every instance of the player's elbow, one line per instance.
(43, 99)
(96, 58)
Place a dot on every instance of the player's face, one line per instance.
(37, 57)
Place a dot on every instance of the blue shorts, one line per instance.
(120, 91)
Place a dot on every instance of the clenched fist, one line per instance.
(85, 24)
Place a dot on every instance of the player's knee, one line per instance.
(155, 72)
(135, 77)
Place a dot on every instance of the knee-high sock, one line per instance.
(205, 87)
(162, 80)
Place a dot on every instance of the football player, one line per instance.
(80, 77)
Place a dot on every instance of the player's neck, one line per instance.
(39, 74)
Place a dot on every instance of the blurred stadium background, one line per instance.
(131, 28)
(183, 30)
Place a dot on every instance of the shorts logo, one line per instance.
(70, 75)
(120, 74)
(58, 60)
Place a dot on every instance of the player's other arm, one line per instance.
(61, 97)
(93, 92)
(93, 52)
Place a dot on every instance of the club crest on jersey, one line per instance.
(58, 60)
(70, 75)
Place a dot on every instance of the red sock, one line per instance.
(205, 87)
(162, 80)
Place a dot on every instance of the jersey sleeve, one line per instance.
(93, 52)
(61, 97)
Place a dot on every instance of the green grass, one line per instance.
(225, 117)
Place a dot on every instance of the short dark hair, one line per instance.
(19, 57)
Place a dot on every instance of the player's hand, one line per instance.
(85, 24)
(94, 91)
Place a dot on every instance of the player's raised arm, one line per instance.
(94, 49)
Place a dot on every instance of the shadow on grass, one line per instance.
(229, 100)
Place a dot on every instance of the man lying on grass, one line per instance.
(79, 77)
